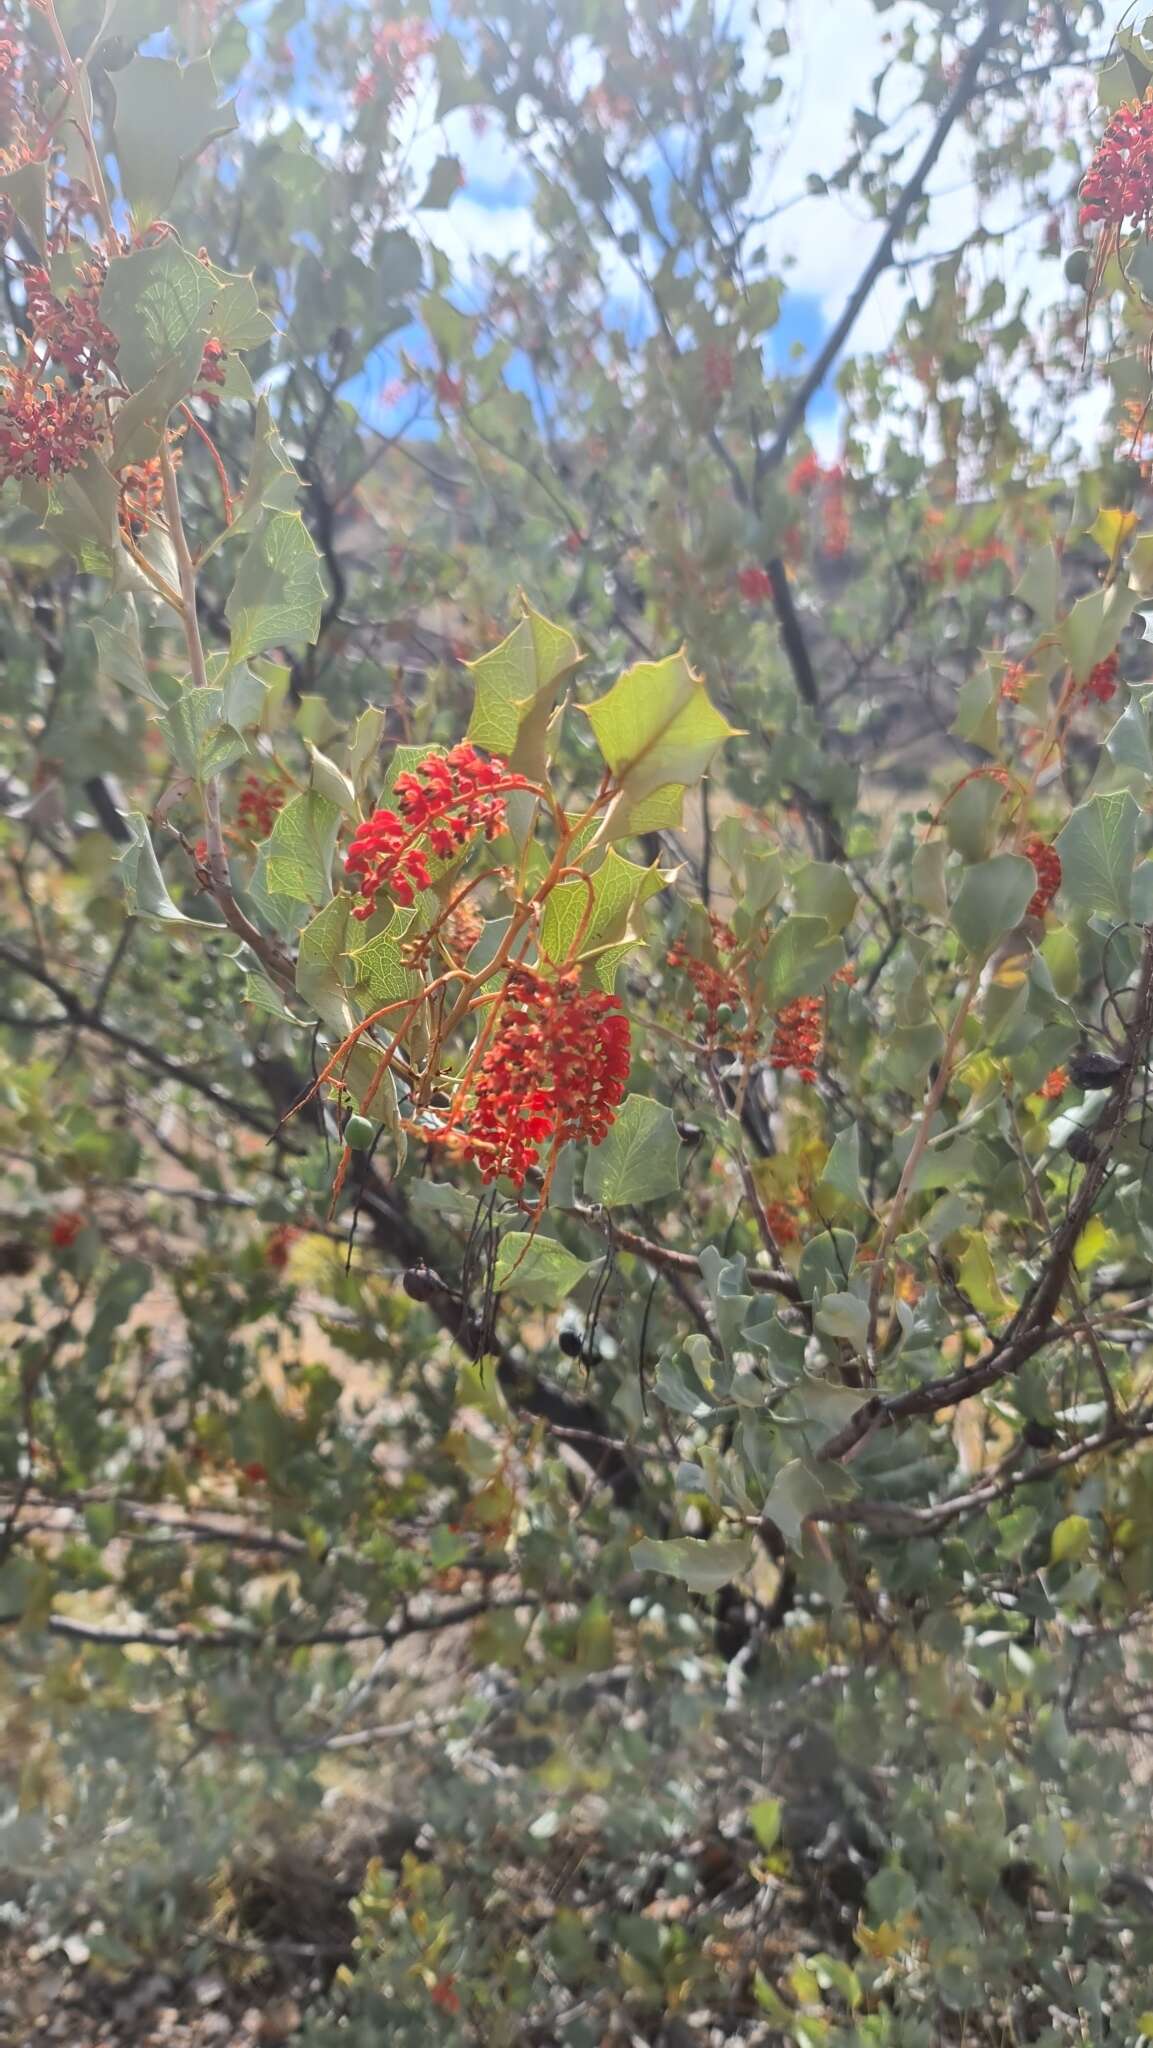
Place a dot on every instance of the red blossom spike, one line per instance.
(1103, 680)
(799, 1036)
(258, 804)
(447, 798)
(556, 1070)
(1118, 185)
(45, 429)
(70, 329)
(1047, 866)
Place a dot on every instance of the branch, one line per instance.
(882, 256)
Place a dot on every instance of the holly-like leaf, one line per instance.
(795, 1493)
(517, 679)
(119, 654)
(145, 893)
(322, 967)
(595, 912)
(992, 898)
(238, 318)
(81, 513)
(166, 114)
(658, 732)
(702, 1564)
(976, 719)
(638, 1160)
(1098, 852)
(157, 302)
(842, 1168)
(279, 591)
(822, 889)
(927, 878)
(202, 743)
(301, 847)
(536, 1269)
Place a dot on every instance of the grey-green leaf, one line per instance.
(639, 1159)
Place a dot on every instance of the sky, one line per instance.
(820, 244)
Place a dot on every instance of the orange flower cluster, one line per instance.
(257, 805)
(556, 1070)
(448, 800)
(1014, 677)
(799, 1037)
(807, 475)
(1054, 1085)
(45, 429)
(782, 1222)
(212, 370)
(1047, 867)
(70, 329)
(1118, 185)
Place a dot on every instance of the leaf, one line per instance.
(444, 182)
(157, 301)
(320, 960)
(765, 1821)
(798, 960)
(238, 318)
(26, 190)
(536, 1269)
(823, 890)
(120, 657)
(1111, 529)
(638, 1160)
(515, 679)
(658, 732)
(977, 1277)
(842, 1168)
(279, 591)
(202, 743)
(166, 114)
(273, 484)
(1072, 1539)
(330, 780)
(992, 898)
(380, 969)
(795, 1493)
(976, 719)
(602, 905)
(703, 1565)
(844, 1316)
(139, 425)
(927, 878)
(145, 894)
(80, 512)
(1098, 853)
(301, 847)
(1093, 627)
(968, 817)
(1039, 585)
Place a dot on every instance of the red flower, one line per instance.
(71, 329)
(754, 583)
(804, 475)
(713, 986)
(445, 1996)
(212, 370)
(556, 1069)
(258, 804)
(1047, 866)
(798, 1037)
(1118, 185)
(447, 799)
(1102, 682)
(66, 1228)
(278, 1245)
(1014, 677)
(255, 1473)
(448, 389)
(45, 429)
(782, 1222)
(1054, 1085)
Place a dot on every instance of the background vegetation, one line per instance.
(694, 1587)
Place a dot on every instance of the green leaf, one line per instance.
(992, 898)
(166, 114)
(157, 301)
(658, 733)
(238, 318)
(976, 718)
(139, 425)
(798, 961)
(444, 182)
(119, 654)
(823, 890)
(604, 905)
(704, 1566)
(301, 848)
(968, 817)
(1071, 1540)
(1091, 630)
(515, 682)
(145, 894)
(842, 1168)
(202, 743)
(80, 512)
(1040, 584)
(765, 1821)
(795, 1493)
(279, 590)
(844, 1316)
(639, 1159)
(380, 970)
(26, 190)
(536, 1269)
(330, 780)
(927, 878)
(977, 1277)
(320, 962)
(273, 485)
(1098, 853)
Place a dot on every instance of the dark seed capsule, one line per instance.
(570, 1343)
(1079, 1145)
(1094, 1069)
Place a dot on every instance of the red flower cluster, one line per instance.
(782, 1222)
(804, 477)
(804, 474)
(1014, 676)
(1102, 683)
(556, 1069)
(397, 47)
(1047, 866)
(449, 798)
(965, 562)
(212, 370)
(70, 329)
(717, 371)
(278, 1244)
(754, 583)
(1054, 1085)
(45, 429)
(713, 986)
(799, 1037)
(142, 489)
(258, 804)
(1118, 185)
(66, 1228)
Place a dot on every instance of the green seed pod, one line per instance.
(359, 1133)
